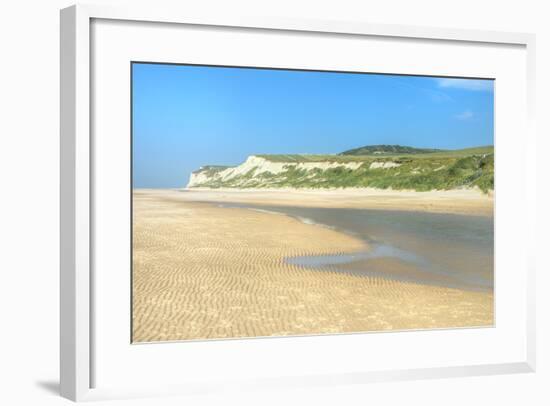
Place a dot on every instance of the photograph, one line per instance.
(270, 202)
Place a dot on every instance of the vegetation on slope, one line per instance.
(436, 153)
(441, 170)
(387, 150)
(211, 170)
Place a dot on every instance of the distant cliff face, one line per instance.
(436, 170)
(257, 171)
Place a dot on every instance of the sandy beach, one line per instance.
(461, 201)
(201, 271)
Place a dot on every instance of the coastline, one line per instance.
(205, 271)
(456, 201)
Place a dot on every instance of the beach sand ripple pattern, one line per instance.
(206, 272)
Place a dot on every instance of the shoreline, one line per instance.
(423, 225)
(456, 201)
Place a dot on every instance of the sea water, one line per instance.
(458, 247)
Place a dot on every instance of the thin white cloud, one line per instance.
(438, 97)
(435, 95)
(465, 115)
(466, 84)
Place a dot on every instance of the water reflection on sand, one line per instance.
(430, 248)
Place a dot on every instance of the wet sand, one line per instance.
(201, 271)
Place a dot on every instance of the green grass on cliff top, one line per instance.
(295, 158)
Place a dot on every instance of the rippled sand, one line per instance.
(203, 272)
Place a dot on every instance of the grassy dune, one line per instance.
(451, 153)
(419, 171)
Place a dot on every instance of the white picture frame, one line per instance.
(77, 323)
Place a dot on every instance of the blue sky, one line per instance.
(185, 117)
